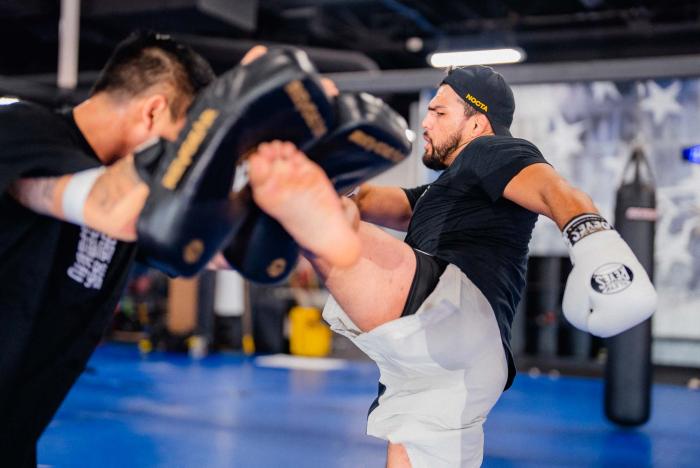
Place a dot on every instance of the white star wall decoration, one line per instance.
(603, 90)
(566, 137)
(661, 102)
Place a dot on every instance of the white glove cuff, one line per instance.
(76, 193)
(582, 226)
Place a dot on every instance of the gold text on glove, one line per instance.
(188, 147)
(373, 145)
(308, 110)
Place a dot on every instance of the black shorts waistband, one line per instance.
(428, 272)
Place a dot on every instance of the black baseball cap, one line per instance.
(486, 91)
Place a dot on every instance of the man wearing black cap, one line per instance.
(434, 311)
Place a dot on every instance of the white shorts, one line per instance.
(443, 368)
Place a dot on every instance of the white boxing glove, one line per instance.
(608, 290)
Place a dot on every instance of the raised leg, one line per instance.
(372, 291)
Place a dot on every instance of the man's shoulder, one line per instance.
(26, 109)
(27, 118)
(503, 143)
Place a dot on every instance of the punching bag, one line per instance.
(628, 369)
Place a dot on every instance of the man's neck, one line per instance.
(457, 151)
(461, 147)
(101, 121)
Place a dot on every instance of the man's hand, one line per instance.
(384, 206)
(254, 53)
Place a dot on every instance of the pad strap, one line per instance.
(76, 193)
(582, 226)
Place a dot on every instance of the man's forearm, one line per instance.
(565, 203)
(541, 190)
(384, 206)
(112, 206)
(38, 194)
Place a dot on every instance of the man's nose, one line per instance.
(425, 123)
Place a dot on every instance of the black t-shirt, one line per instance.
(59, 283)
(463, 219)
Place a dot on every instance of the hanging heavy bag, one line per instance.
(628, 369)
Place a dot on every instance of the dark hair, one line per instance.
(145, 59)
(468, 110)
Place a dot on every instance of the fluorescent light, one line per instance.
(476, 57)
(7, 100)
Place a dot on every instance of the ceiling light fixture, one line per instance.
(6, 100)
(476, 57)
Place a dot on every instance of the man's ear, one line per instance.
(484, 126)
(154, 108)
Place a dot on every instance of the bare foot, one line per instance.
(296, 192)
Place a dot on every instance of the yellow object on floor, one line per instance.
(248, 344)
(308, 335)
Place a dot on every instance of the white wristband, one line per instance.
(76, 193)
(583, 225)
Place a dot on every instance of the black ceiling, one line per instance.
(360, 34)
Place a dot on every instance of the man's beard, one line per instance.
(437, 159)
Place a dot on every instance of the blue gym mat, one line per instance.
(166, 410)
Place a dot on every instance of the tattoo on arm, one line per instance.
(38, 194)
